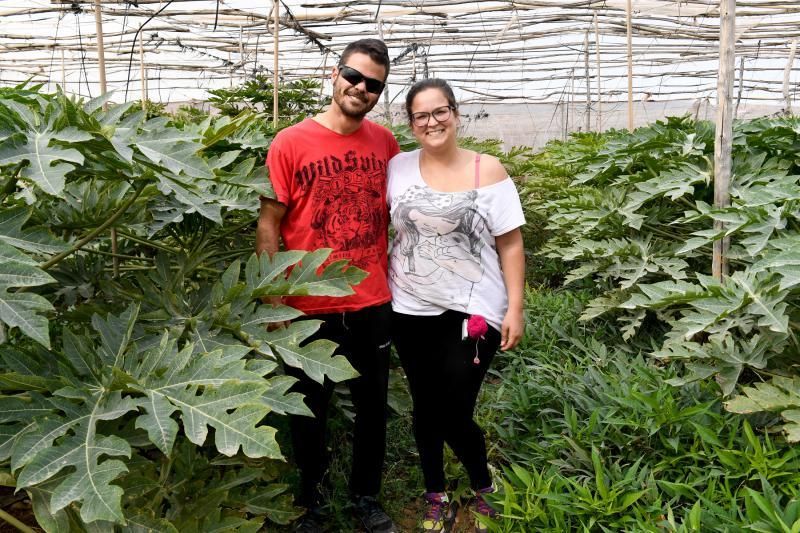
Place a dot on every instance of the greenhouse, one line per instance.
(260, 273)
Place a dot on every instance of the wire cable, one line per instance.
(133, 44)
(83, 59)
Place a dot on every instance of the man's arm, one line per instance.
(268, 237)
(268, 231)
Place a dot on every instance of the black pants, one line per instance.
(363, 337)
(444, 383)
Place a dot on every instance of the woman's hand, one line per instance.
(512, 259)
(511, 329)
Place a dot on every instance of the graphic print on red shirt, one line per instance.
(347, 205)
(334, 187)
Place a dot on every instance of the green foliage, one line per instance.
(138, 382)
(187, 114)
(596, 439)
(637, 225)
(781, 394)
(151, 109)
(406, 140)
(297, 99)
(539, 177)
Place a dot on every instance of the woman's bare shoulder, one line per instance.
(492, 170)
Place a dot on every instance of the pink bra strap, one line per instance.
(477, 170)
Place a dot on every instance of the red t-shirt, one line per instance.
(334, 188)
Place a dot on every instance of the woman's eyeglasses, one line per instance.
(354, 77)
(440, 114)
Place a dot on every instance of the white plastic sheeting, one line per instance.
(513, 51)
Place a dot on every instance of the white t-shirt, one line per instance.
(443, 255)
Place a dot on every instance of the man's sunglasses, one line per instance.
(354, 77)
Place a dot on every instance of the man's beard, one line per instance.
(341, 98)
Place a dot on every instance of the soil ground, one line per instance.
(18, 506)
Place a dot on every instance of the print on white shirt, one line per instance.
(439, 246)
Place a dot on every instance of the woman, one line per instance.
(456, 273)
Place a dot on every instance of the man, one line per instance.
(329, 177)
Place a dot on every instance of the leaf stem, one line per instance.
(120, 256)
(176, 236)
(662, 233)
(228, 254)
(163, 477)
(237, 228)
(135, 268)
(156, 245)
(14, 522)
(97, 231)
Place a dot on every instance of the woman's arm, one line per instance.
(512, 259)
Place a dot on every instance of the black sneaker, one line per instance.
(372, 516)
(311, 522)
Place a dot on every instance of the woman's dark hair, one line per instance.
(431, 83)
(374, 48)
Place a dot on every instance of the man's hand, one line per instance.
(275, 301)
(268, 241)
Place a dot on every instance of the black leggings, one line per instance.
(363, 337)
(444, 383)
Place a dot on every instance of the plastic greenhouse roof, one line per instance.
(510, 51)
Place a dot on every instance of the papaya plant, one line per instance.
(139, 383)
(637, 225)
(299, 98)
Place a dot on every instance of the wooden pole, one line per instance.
(724, 133)
(63, 73)
(741, 87)
(787, 74)
(276, 7)
(324, 75)
(101, 65)
(241, 55)
(570, 109)
(142, 75)
(587, 122)
(597, 59)
(387, 112)
(101, 56)
(629, 26)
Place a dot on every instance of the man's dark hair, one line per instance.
(374, 48)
